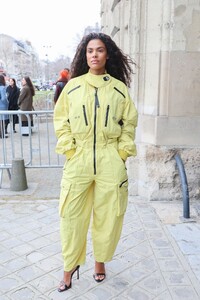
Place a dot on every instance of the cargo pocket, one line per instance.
(63, 199)
(122, 197)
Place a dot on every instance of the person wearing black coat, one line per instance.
(13, 94)
(60, 83)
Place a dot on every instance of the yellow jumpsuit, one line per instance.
(94, 121)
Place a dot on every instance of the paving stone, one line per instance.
(152, 225)
(27, 237)
(131, 227)
(55, 295)
(164, 296)
(119, 283)
(48, 264)
(183, 293)
(3, 271)
(9, 282)
(39, 242)
(194, 261)
(11, 242)
(151, 260)
(164, 253)
(6, 256)
(4, 235)
(155, 234)
(52, 249)
(135, 274)
(176, 278)
(116, 265)
(170, 264)
(23, 249)
(24, 293)
(148, 263)
(29, 273)
(100, 293)
(138, 293)
(130, 241)
(35, 256)
(16, 264)
(187, 237)
(143, 249)
(130, 258)
(4, 297)
(81, 297)
(154, 284)
(44, 283)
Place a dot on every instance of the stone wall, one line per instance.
(154, 173)
(163, 38)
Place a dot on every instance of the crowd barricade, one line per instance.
(34, 143)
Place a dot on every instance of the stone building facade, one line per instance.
(163, 37)
(18, 58)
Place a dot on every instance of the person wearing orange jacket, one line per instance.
(60, 83)
(95, 121)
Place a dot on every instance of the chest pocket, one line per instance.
(115, 107)
(78, 110)
(79, 118)
(111, 117)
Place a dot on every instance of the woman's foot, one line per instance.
(99, 274)
(66, 283)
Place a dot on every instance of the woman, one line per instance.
(61, 82)
(95, 121)
(13, 94)
(25, 100)
(3, 106)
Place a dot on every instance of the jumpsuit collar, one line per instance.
(98, 80)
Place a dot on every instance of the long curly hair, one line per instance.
(118, 65)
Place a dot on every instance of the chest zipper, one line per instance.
(96, 105)
(85, 115)
(107, 113)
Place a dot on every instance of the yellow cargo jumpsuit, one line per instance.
(94, 121)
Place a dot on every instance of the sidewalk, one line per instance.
(158, 256)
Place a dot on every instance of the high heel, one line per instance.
(76, 270)
(63, 284)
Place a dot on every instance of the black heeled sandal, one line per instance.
(62, 283)
(99, 274)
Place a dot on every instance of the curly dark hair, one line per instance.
(118, 65)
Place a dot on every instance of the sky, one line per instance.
(52, 27)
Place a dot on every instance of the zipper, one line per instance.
(85, 116)
(122, 183)
(107, 112)
(75, 88)
(119, 92)
(96, 105)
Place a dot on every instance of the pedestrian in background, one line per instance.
(3, 106)
(25, 102)
(60, 83)
(13, 94)
(95, 120)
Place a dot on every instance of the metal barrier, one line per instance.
(36, 146)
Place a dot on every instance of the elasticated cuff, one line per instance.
(70, 153)
(123, 154)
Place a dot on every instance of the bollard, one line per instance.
(18, 176)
